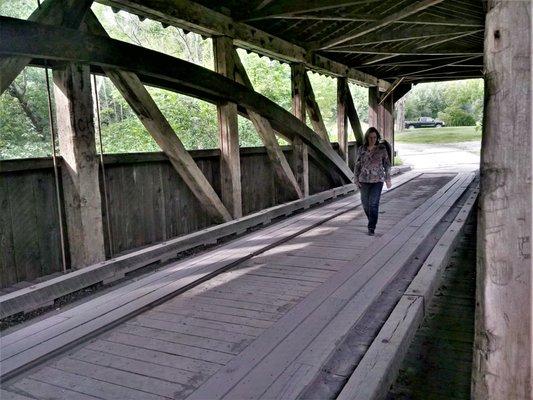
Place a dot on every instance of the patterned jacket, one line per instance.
(372, 166)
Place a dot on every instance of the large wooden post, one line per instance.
(342, 119)
(503, 347)
(381, 115)
(74, 114)
(228, 132)
(300, 155)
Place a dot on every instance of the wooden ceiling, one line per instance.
(418, 41)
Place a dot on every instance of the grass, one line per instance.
(398, 161)
(453, 134)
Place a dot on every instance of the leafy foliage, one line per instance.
(457, 103)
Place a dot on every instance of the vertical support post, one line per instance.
(83, 205)
(373, 107)
(503, 344)
(228, 132)
(342, 120)
(300, 155)
(387, 122)
(381, 116)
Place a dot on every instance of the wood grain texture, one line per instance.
(342, 120)
(228, 131)
(300, 157)
(503, 317)
(80, 180)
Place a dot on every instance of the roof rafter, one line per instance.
(419, 48)
(414, 20)
(411, 33)
(283, 8)
(406, 12)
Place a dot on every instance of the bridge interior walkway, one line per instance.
(291, 322)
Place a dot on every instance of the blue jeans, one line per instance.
(370, 195)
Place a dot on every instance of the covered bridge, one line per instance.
(270, 313)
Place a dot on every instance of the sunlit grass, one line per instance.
(454, 134)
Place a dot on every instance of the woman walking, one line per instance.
(372, 168)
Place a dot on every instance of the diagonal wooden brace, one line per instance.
(268, 137)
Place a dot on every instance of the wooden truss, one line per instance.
(128, 69)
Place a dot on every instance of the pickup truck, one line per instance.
(424, 122)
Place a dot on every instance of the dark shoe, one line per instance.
(370, 232)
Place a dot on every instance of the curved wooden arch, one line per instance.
(29, 39)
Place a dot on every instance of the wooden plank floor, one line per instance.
(172, 349)
(439, 361)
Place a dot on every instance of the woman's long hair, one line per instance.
(368, 131)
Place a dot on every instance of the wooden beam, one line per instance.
(450, 64)
(285, 8)
(353, 117)
(391, 90)
(68, 13)
(503, 337)
(228, 132)
(405, 12)
(141, 102)
(342, 131)
(415, 51)
(279, 163)
(202, 20)
(313, 110)
(424, 19)
(80, 181)
(17, 38)
(380, 115)
(300, 155)
(401, 90)
(373, 112)
(403, 33)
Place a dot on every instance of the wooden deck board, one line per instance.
(192, 336)
(236, 380)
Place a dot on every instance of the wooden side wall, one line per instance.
(148, 203)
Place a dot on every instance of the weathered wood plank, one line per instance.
(80, 180)
(228, 132)
(36, 389)
(135, 381)
(504, 273)
(7, 250)
(223, 383)
(300, 155)
(342, 131)
(90, 386)
(125, 363)
(376, 371)
(165, 346)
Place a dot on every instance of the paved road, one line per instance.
(453, 156)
